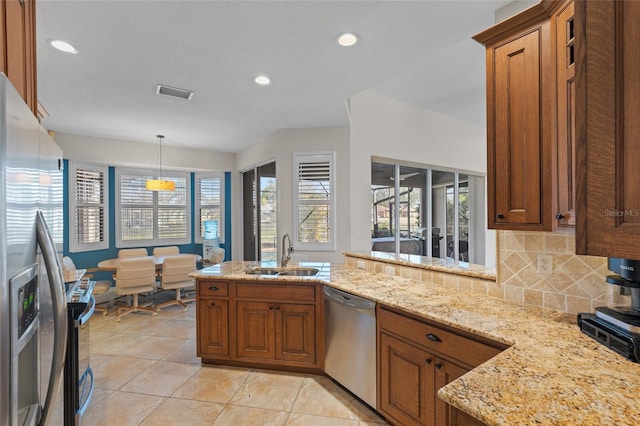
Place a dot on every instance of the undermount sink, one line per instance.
(300, 272)
(290, 272)
(262, 271)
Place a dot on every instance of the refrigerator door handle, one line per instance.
(59, 303)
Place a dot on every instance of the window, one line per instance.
(88, 207)
(439, 213)
(149, 218)
(210, 202)
(314, 201)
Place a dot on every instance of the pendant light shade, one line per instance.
(160, 184)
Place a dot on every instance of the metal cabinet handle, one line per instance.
(214, 288)
(277, 307)
(270, 307)
(428, 360)
(438, 365)
(213, 303)
(500, 216)
(433, 338)
(559, 216)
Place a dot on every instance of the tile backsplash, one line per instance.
(575, 283)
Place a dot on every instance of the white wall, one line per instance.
(115, 152)
(385, 127)
(280, 147)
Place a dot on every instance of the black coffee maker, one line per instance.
(618, 328)
(628, 277)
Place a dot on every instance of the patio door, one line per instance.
(259, 213)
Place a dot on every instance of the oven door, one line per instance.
(85, 379)
(78, 373)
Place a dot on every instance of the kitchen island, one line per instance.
(551, 373)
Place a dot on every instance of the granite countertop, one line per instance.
(551, 375)
(431, 263)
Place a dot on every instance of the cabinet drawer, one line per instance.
(276, 292)
(213, 289)
(431, 337)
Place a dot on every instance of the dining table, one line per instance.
(112, 264)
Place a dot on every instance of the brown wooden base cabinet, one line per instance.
(261, 323)
(212, 316)
(416, 358)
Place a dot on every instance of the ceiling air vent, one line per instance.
(174, 91)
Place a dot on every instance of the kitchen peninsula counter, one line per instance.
(552, 373)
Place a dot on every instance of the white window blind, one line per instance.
(152, 217)
(210, 202)
(88, 207)
(314, 201)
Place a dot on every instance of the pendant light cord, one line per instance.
(160, 138)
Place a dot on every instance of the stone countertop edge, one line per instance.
(429, 263)
(552, 374)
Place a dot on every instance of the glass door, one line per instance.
(259, 213)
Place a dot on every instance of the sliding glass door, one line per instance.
(259, 213)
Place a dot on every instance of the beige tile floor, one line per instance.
(147, 373)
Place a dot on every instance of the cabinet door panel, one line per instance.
(19, 48)
(255, 325)
(445, 373)
(406, 382)
(608, 86)
(566, 137)
(518, 137)
(3, 38)
(295, 333)
(213, 320)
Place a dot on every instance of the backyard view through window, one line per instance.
(314, 206)
(209, 203)
(152, 217)
(88, 212)
(259, 213)
(424, 211)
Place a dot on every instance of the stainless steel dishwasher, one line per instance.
(350, 327)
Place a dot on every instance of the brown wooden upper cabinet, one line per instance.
(530, 119)
(18, 47)
(608, 128)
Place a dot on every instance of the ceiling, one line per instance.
(419, 52)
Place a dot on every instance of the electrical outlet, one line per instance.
(389, 270)
(545, 264)
(360, 264)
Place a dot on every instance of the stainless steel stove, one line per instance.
(78, 376)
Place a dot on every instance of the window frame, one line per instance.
(155, 241)
(310, 157)
(74, 245)
(198, 206)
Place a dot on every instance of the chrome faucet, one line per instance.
(286, 251)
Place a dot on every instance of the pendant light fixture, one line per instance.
(160, 184)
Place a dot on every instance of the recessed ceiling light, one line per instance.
(263, 80)
(347, 39)
(63, 46)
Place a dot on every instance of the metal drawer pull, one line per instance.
(428, 360)
(213, 303)
(214, 288)
(438, 365)
(433, 337)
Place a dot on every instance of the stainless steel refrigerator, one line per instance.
(32, 297)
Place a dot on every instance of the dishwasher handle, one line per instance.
(348, 299)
